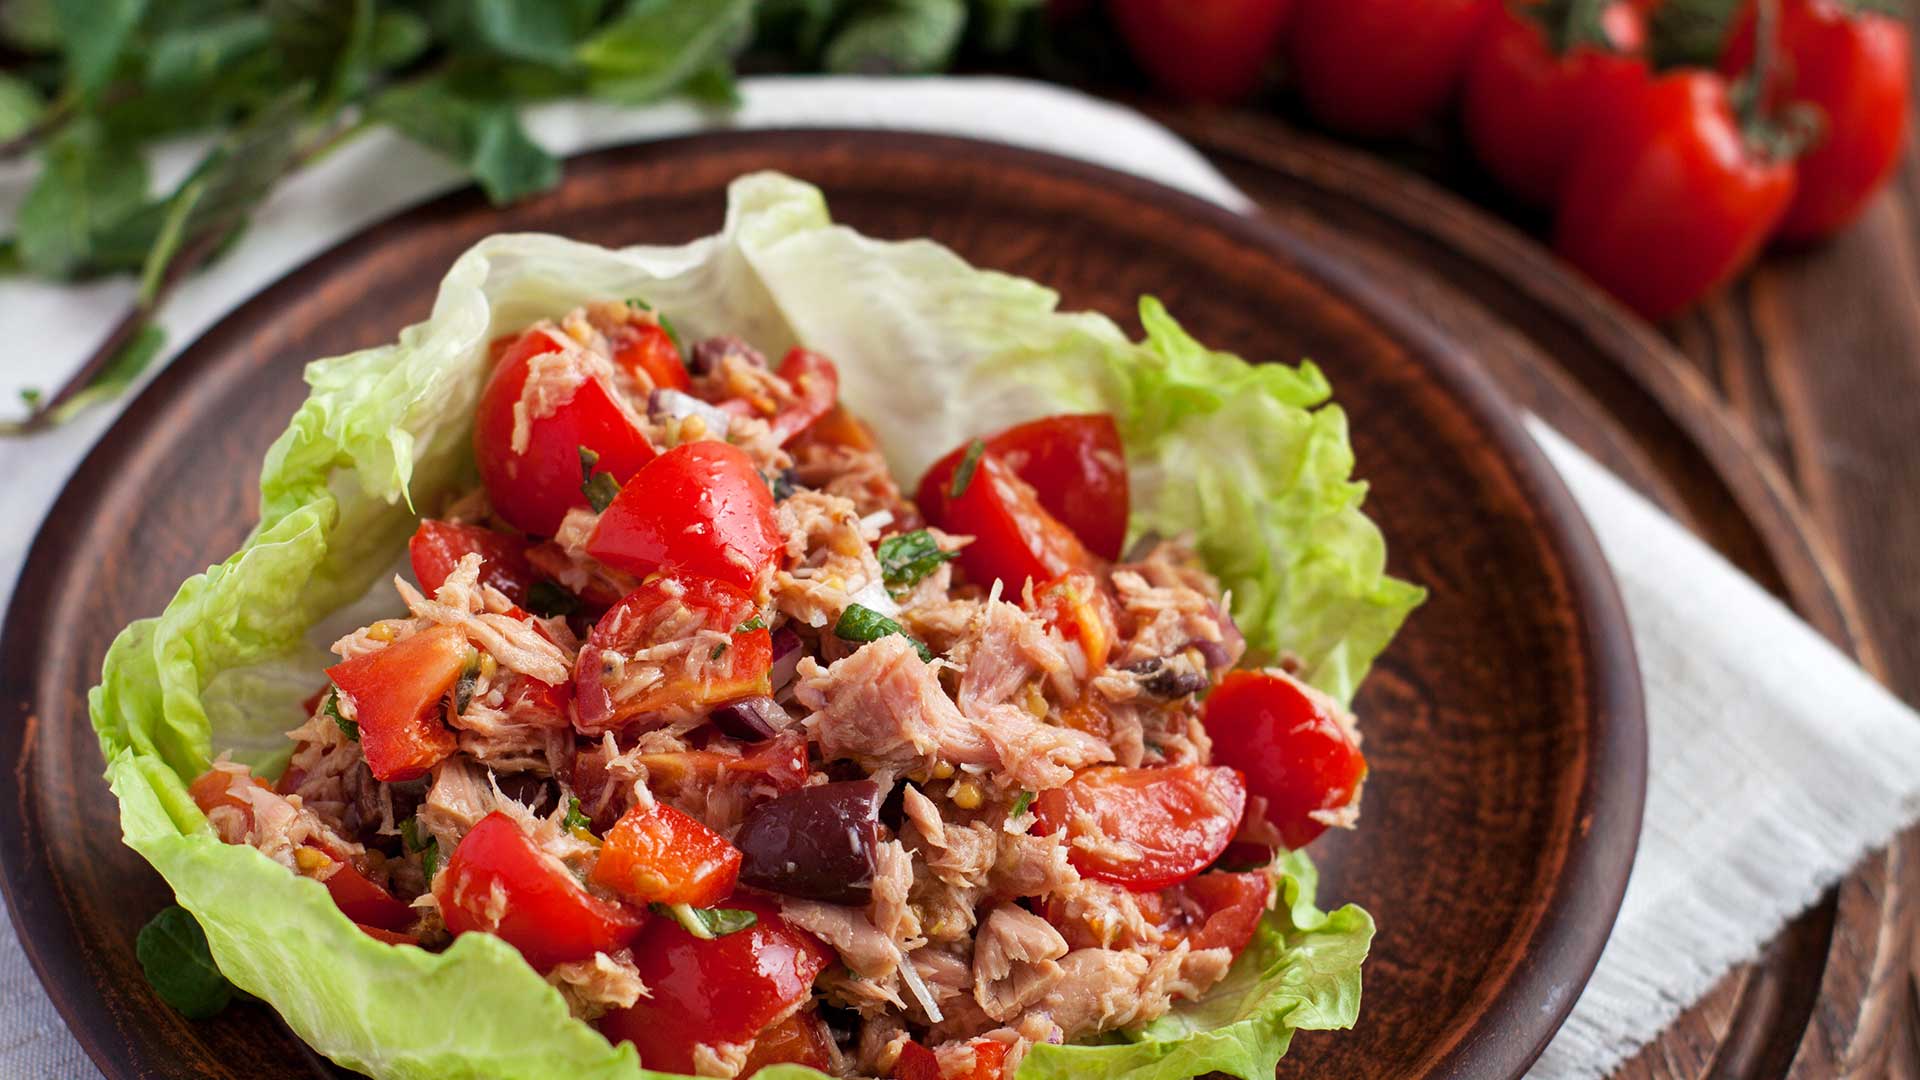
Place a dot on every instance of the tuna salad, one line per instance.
(757, 756)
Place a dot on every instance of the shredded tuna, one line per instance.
(1014, 961)
(592, 988)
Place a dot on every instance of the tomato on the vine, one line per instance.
(1203, 50)
(1381, 67)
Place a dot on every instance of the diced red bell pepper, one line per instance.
(396, 697)
(701, 509)
(658, 855)
(726, 990)
(915, 1062)
(1173, 821)
(438, 546)
(497, 882)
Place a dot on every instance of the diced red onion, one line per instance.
(919, 988)
(786, 657)
(751, 719)
(876, 521)
(674, 405)
(1215, 653)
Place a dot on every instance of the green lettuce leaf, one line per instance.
(1250, 458)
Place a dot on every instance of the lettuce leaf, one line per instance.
(1250, 458)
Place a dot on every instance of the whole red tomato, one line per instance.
(1531, 88)
(1851, 66)
(1203, 50)
(1668, 198)
(1381, 67)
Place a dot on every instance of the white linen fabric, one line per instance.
(1776, 763)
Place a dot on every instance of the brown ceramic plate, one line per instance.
(1504, 726)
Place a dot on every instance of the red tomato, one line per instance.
(215, 788)
(546, 914)
(438, 546)
(839, 428)
(365, 902)
(989, 1061)
(1203, 50)
(1014, 538)
(389, 936)
(1668, 200)
(534, 490)
(1225, 909)
(1288, 740)
(1170, 823)
(658, 855)
(1077, 470)
(647, 352)
(1079, 606)
(1381, 67)
(710, 992)
(816, 384)
(698, 508)
(1852, 67)
(657, 612)
(800, 1039)
(396, 696)
(1525, 107)
(915, 1062)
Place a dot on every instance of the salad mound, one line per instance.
(692, 742)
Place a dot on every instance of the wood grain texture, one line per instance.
(1505, 737)
(1806, 477)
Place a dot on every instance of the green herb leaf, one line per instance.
(655, 46)
(999, 25)
(430, 860)
(748, 627)
(576, 818)
(963, 475)
(399, 37)
(899, 37)
(484, 137)
(548, 599)
(96, 33)
(31, 395)
(121, 372)
(781, 484)
(89, 182)
(907, 557)
(719, 651)
(347, 727)
(599, 488)
(707, 923)
(1020, 805)
(173, 952)
(861, 623)
(30, 25)
(194, 54)
(414, 835)
(20, 105)
(539, 31)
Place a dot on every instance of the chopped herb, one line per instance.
(599, 488)
(30, 396)
(963, 476)
(672, 334)
(782, 484)
(414, 835)
(719, 651)
(576, 819)
(548, 599)
(748, 627)
(1020, 804)
(347, 727)
(707, 923)
(908, 557)
(638, 304)
(861, 623)
(173, 952)
(430, 860)
(469, 678)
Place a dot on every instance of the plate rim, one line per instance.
(1607, 812)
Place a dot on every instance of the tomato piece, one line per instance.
(391, 937)
(646, 351)
(800, 1039)
(1229, 909)
(915, 1062)
(1525, 107)
(1667, 200)
(1079, 606)
(1165, 824)
(496, 882)
(365, 902)
(396, 697)
(700, 508)
(989, 1061)
(709, 992)
(1290, 742)
(1380, 68)
(215, 788)
(838, 427)
(1076, 467)
(816, 386)
(438, 546)
(656, 854)
(1852, 66)
(670, 607)
(1203, 50)
(535, 487)
(1014, 538)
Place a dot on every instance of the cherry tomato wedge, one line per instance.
(726, 990)
(497, 882)
(438, 546)
(535, 486)
(700, 508)
(1214, 910)
(215, 788)
(1289, 741)
(656, 854)
(1159, 826)
(816, 385)
(1076, 467)
(365, 902)
(800, 1039)
(645, 350)
(670, 607)
(396, 694)
(915, 1062)
(1014, 538)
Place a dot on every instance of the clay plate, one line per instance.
(1504, 727)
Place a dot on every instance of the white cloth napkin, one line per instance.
(1776, 763)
